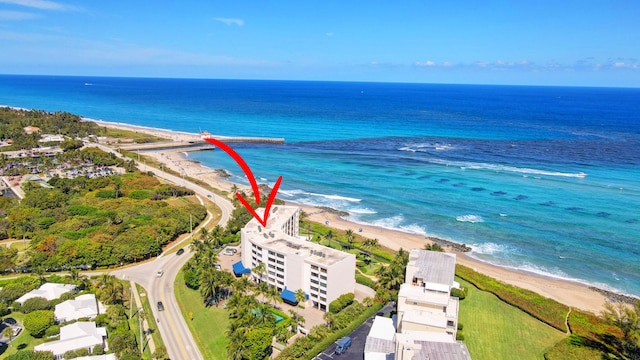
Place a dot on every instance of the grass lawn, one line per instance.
(494, 330)
(22, 341)
(208, 325)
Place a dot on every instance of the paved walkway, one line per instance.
(145, 324)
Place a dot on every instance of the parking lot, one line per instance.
(358, 339)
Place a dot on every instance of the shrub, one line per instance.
(36, 303)
(459, 293)
(4, 309)
(106, 194)
(341, 302)
(97, 350)
(52, 331)
(139, 194)
(38, 322)
(459, 336)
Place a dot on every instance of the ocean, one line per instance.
(543, 179)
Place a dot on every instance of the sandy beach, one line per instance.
(570, 293)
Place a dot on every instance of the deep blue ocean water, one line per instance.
(544, 179)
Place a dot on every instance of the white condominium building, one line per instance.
(293, 263)
(424, 303)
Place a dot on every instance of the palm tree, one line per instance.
(350, 237)
(329, 236)
(142, 316)
(330, 319)
(273, 295)
(208, 282)
(111, 290)
(318, 332)
(8, 332)
(242, 285)
(296, 320)
(300, 296)
(262, 289)
(260, 270)
(236, 348)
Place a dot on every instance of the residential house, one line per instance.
(83, 306)
(76, 336)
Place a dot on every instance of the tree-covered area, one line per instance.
(39, 321)
(13, 122)
(97, 222)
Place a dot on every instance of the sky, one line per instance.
(523, 42)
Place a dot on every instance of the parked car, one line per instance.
(10, 321)
(217, 266)
(160, 306)
(180, 251)
(343, 345)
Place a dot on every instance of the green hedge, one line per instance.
(363, 280)
(341, 302)
(325, 343)
(304, 348)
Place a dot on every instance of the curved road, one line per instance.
(173, 328)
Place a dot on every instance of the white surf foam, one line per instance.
(490, 248)
(470, 218)
(362, 211)
(464, 165)
(298, 193)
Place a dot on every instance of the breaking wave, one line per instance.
(470, 218)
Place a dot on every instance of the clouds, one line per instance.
(16, 15)
(227, 21)
(38, 4)
(586, 64)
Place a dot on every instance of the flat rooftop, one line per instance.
(419, 294)
(433, 267)
(274, 238)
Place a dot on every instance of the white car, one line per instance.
(159, 273)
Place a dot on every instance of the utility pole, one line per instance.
(140, 320)
(191, 224)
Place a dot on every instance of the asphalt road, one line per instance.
(173, 328)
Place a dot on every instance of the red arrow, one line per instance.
(252, 180)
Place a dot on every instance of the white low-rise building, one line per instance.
(381, 341)
(292, 263)
(427, 316)
(76, 336)
(83, 306)
(424, 300)
(49, 291)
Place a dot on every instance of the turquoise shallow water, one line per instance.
(535, 178)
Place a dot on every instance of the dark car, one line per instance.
(180, 251)
(160, 306)
(10, 321)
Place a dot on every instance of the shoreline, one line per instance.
(572, 293)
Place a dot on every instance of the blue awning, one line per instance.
(289, 296)
(239, 269)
